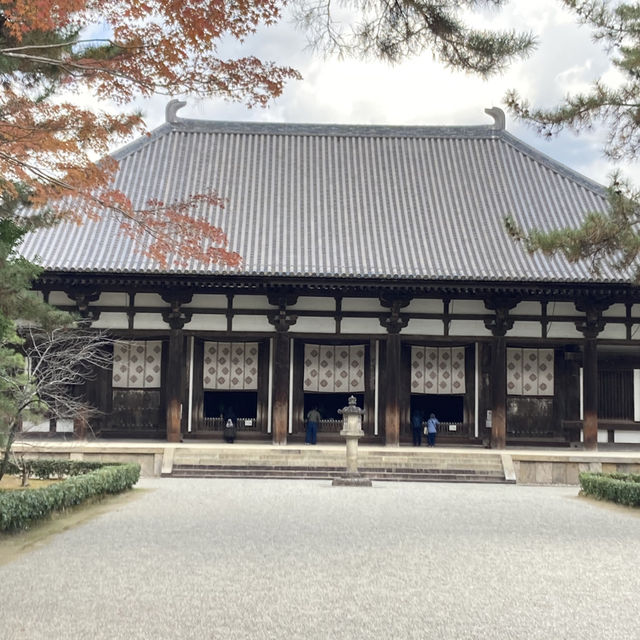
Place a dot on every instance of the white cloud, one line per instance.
(420, 91)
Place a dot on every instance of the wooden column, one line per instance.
(80, 426)
(590, 326)
(87, 315)
(394, 323)
(498, 392)
(173, 385)
(392, 394)
(499, 325)
(280, 417)
(282, 321)
(590, 393)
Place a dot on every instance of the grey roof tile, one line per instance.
(338, 201)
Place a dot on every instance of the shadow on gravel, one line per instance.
(13, 545)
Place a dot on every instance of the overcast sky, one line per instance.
(421, 92)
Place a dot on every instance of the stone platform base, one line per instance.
(351, 480)
(413, 464)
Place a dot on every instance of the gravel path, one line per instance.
(301, 559)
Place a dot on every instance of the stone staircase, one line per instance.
(428, 465)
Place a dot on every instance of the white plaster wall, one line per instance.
(314, 303)
(528, 308)
(149, 300)
(252, 302)
(468, 328)
(361, 325)
(615, 311)
(60, 298)
(314, 325)
(635, 331)
(362, 304)
(613, 332)
(627, 437)
(206, 322)
(562, 309)
(109, 320)
(33, 427)
(64, 426)
(252, 323)
(603, 436)
(113, 299)
(424, 327)
(563, 330)
(207, 301)
(425, 306)
(149, 321)
(525, 330)
(467, 306)
(635, 310)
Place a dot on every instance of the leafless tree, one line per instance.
(47, 374)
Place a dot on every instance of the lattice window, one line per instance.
(333, 368)
(437, 370)
(529, 372)
(137, 364)
(230, 365)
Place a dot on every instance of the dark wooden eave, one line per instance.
(310, 286)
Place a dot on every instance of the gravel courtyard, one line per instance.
(301, 559)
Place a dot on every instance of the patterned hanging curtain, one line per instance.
(334, 369)
(437, 370)
(529, 372)
(137, 364)
(230, 366)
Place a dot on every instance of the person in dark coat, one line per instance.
(230, 431)
(313, 419)
(416, 427)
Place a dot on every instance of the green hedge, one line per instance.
(18, 509)
(622, 488)
(44, 468)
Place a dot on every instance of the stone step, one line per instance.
(337, 468)
(339, 461)
(310, 473)
(256, 471)
(323, 458)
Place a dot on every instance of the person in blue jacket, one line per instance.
(432, 428)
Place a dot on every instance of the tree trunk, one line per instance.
(7, 449)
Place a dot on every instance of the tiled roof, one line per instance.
(344, 201)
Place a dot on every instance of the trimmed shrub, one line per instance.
(622, 488)
(18, 509)
(43, 469)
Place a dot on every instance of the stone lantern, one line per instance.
(352, 431)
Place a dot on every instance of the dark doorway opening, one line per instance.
(615, 394)
(448, 408)
(231, 404)
(329, 403)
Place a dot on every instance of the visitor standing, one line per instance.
(432, 424)
(416, 427)
(313, 419)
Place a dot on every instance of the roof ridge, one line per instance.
(141, 142)
(324, 129)
(551, 163)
